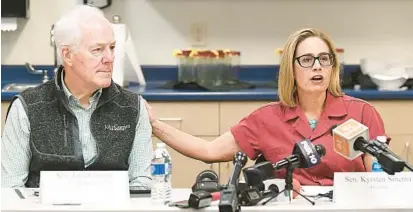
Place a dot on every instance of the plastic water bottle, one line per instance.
(161, 189)
(376, 167)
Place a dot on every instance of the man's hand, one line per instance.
(152, 116)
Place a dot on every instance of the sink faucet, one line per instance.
(31, 69)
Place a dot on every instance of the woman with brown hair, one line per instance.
(310, 103)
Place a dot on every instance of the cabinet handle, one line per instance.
(170, 119)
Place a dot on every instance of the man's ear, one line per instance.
(67, 55)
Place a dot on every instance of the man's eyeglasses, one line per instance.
(307, 61)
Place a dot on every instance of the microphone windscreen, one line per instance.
(345, 136)
(240, 158)
(321, 150)
(307, 153)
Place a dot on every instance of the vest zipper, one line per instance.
(94, 137)
(65, 129)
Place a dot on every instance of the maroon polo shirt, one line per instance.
(273, 129)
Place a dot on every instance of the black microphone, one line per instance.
(240, 159)
(390, 163)
(252, 195)
(229, 196)
(305, 155)
(384, 147)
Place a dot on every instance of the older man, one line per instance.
(80, 120)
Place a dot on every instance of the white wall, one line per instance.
(365, 28)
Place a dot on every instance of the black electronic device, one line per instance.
(229, 195)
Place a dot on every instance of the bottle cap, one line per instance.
(382, 138)
(116, 19)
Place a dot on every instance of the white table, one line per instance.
(10, 201)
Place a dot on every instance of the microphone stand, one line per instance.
(289, 186)
(229, 201)
(408, 166)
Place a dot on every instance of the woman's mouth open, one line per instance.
(317, 78)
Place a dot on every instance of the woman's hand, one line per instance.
(152, 116)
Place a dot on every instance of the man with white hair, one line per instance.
(80, 120)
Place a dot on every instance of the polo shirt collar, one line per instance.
(334, 107)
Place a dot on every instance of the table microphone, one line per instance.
(345, 136)
(350, 140)
(305, 155)
(381, 144)
(240, 159)
(229, 196)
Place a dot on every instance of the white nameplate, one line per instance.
(374, 188)
(84, 187)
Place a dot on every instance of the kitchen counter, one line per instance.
(153, 92)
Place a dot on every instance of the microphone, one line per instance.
(252, 195)
(272, 190)
(380, 142)
(229, 196)
(345, 136)
(350, 145)
(305, 155)
(240, 159)
(351, 140)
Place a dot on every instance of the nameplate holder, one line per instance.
(377, 189)
(84, 187)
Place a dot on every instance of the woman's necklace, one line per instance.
(313, 123)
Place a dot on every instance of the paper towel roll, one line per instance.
(8, 24)
(118, 75)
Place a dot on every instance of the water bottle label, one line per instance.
(158, 169)
(169, 169)
(376, 167)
